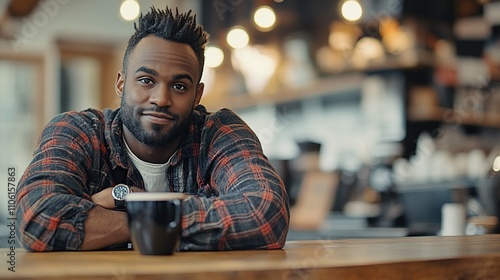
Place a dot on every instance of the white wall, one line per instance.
(93, 20)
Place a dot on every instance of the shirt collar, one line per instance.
(113, 134)
(190, 144)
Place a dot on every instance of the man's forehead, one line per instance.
(155, 50)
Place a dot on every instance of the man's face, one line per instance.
(159, 90)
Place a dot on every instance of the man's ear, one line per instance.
(120, 83)
(199, 94)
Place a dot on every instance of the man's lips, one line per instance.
(156, 117)
(159, 115)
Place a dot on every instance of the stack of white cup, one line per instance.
(453, 219)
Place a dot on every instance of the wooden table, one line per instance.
(461, 257)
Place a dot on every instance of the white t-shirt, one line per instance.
(154, 175)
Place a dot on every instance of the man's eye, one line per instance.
(179, 87)
(146, 81)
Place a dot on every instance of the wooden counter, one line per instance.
(461, 257)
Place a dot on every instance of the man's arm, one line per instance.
(251, 211)
(54, 208)
(104, 227)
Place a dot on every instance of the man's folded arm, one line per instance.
(251, 211)
(53, 202)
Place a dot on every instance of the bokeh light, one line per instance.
(214, 57)
(129, 10)
(352, 10)
(237, 38)
(264, 18)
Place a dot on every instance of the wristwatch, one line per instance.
(119, 192)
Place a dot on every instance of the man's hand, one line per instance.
(105, 199)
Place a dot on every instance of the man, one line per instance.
(160, 139)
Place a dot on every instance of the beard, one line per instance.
(156, 137)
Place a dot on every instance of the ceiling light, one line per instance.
(129, 10)
(496, 164)
(351, 10)
(264, 17)
(213, 57)
(237, 38)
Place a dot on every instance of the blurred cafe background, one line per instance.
(381, 116)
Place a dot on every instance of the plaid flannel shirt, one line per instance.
(236, 199)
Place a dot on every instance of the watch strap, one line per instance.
(120, 205)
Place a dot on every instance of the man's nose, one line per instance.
(161, 97)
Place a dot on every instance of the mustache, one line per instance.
(162, 110)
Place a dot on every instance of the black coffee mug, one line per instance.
(155, 221)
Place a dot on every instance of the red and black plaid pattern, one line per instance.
(236, 199)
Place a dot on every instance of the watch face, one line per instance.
(120, 191)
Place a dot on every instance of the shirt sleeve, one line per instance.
(52, 202)
(252, 210)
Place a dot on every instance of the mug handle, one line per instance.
(172, 225)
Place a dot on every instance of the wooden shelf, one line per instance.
(459, 118)
(348, 79)
(445, 184)
(337, 84)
